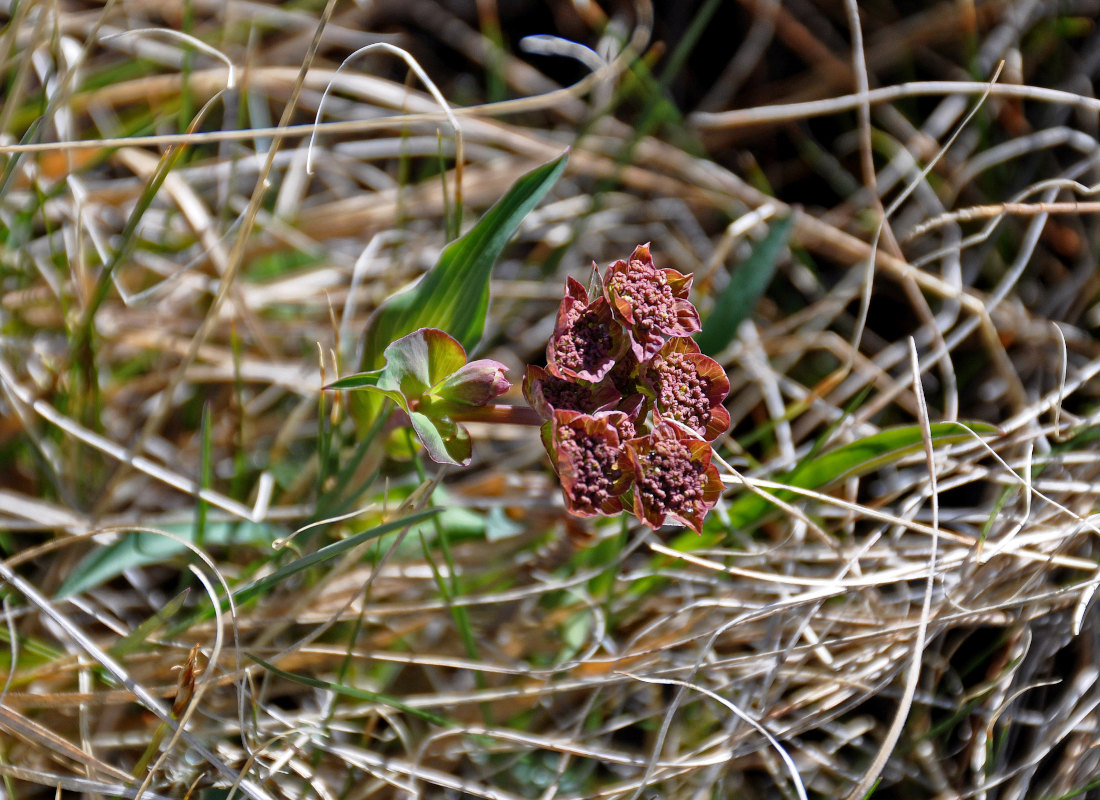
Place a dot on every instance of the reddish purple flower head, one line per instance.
(632, 403)
(587, 339)
(587, 456)
(689, 387)
(652, 302)
(547, 393)
(673, 477)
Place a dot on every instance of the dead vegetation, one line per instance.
(911, 603)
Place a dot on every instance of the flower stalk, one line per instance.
(496, 414)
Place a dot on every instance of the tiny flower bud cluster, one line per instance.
(630, 403)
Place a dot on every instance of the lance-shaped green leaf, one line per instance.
(352, 691)
(855, 458)
(833, 466)
(818, 472)
(454, 295)
(747, 283)
(360, 380)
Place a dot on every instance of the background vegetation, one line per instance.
(214, 584)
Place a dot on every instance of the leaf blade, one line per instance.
(454, 295)
(849, 460)
(250, 590)
(351, 691)
(748, 282)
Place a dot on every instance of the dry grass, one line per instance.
(924, 619)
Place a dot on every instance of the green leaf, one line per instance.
(351, 691)
(418, 361)
(142, 549)
(247, 592)
(136, 639)
(454, 295)
(360, 380)
(850, 460)
(429, 360)
(747, 283)
(445, 441)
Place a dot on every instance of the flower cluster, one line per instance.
(630, 403)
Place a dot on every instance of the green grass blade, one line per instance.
(850, 460)
(250, 590)
(747, 283)
(136, 639)
(454, 295)
(83, 334)
(351, 691)
(451, 589)
(246, 593)
(206, 475)
(333, 500)
(144, 548)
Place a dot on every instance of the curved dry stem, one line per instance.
(432, 88)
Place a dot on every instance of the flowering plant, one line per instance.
(631, 404)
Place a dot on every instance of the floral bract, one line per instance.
(589, 460)
(673, 477)
(631, 404)
(427, 376)
(652, 302)
(689, 387)
(546, 392)
(586, 340)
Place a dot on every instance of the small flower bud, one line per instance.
(474, 384)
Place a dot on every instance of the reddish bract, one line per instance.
(652, 302)
(631, 403)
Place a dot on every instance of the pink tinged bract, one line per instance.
(587, 339)
(673, 477)
(546, 393)
(689, 387)
(652, 302)
(588, 457)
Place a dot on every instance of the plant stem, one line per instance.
(497, 414)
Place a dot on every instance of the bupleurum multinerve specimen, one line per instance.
(588, 457)
(631, 404)
(586, 340)
(673, 477)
